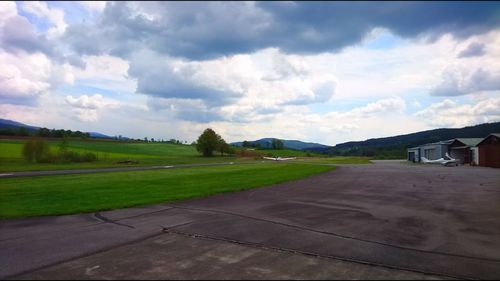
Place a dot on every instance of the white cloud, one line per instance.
(449, 113)
(23, 77)
(94, 6)
(462, 80)
(54, 16)
(88, 108)
(7, 9)
(390, 105)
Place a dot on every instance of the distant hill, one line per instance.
(292, 144)
(99, 135)
(6, 125)
(395, 147)
(9, 124)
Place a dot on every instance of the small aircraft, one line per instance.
(445, 162)
(279, 158)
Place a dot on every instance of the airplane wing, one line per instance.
(279, 158)
(441, 161)
(270, 158)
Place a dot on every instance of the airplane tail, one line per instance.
(449, 157)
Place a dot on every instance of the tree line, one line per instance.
(43, 132)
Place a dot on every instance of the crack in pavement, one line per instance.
(102, 218)
(335, 234)
(305, 253)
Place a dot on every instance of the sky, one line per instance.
(326, 72)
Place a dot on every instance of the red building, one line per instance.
(489, 151)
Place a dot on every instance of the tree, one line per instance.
(207, 142)
(245, 144)
(223, 147)
(43, 132)
(23, 131)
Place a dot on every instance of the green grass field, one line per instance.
(69, 194)
(145, 154)
(109, 153)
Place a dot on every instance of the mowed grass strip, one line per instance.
(70, 194)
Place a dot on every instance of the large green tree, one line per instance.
(207, 142)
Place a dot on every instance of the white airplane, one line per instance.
(445, 162)
(279, 158)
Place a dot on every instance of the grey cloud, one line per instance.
(187, 110)
(18, 34)
(157, 76)
(473, 50)
(268, 110)
(8, 98)
(207, 30)
(322, 93)
(482, 80)
(479, 80)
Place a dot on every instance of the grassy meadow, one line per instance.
(69, 194)
(109, 154)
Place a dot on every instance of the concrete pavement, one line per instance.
(387, 220)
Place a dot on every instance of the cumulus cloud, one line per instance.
(7, 9)
(463, 81)
(389, 105)
(194, 110)
(449, 113)
(24, 77)
(88, 108)
(168, 78)
(213, 29)
(95, 6)
(474, 49)
(17, 33)
(237, 87)
(54, 16)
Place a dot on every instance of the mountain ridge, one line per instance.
(292, 144)
(11, 124)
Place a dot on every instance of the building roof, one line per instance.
(470, 141)
(492, 134)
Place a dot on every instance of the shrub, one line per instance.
(75, 157)
(89, 157)
(37, 150)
